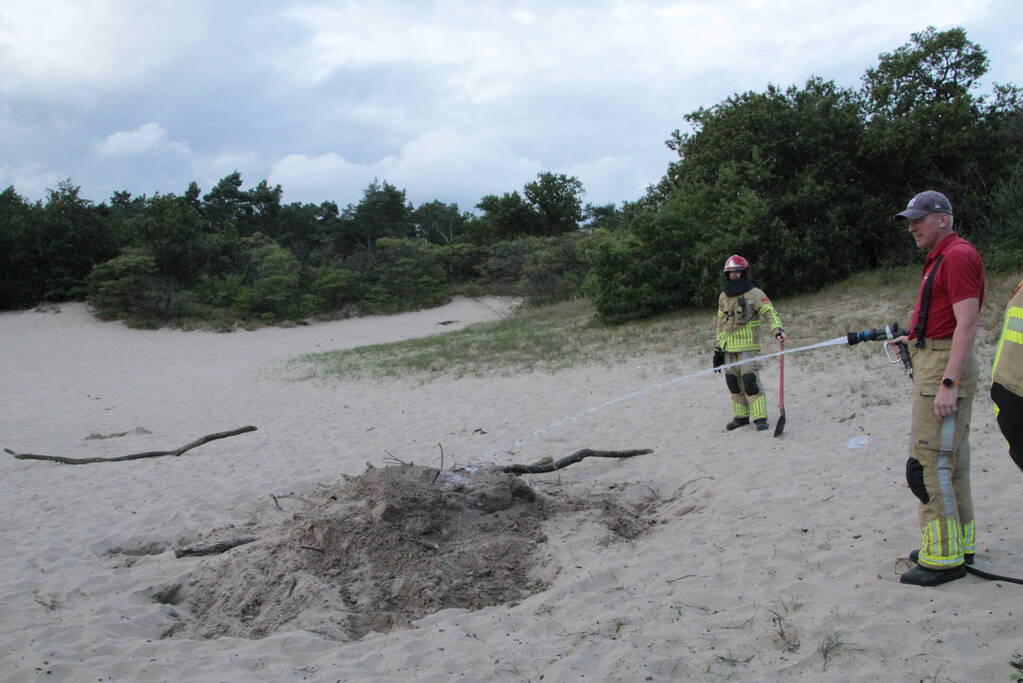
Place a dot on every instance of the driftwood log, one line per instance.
(214, 547)
(133, 456)
(551, 466)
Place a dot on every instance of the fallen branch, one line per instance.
(542, 467)
(214, 547)
(134, 456)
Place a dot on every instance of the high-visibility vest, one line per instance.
(1007, 369)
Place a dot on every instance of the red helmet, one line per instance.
(736, 262)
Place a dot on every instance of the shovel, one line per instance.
(779, 426)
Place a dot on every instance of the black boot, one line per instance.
(921, 576)
(761, 424)
(737, 422)
(915, 555)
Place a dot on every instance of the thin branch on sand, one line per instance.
(133, 456)
(542, 467)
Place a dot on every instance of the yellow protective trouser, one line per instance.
(748, 398)
(938, 470)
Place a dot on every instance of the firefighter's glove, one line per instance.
(778, 335)
(719, 359)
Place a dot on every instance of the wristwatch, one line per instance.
(949, 382)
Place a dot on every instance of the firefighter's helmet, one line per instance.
(736, 262)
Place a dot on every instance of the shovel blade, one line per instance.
(779, 426)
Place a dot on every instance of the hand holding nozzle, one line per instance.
(893, 336)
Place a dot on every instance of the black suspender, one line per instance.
(925, 304)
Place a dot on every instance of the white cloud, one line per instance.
(317, 179)
(451, 100)
(613, 179)
(149, 138)
(441, 164)
(31, 181)
(496, 51)
(68, 47)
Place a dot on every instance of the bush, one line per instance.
(505, 261)
(333, 288)
(406, 274)
(554, 272)
(620, 282)
(463, 261)
(273, 290)
(129, 287)
(1003, 250)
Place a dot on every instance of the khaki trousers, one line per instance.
(938, 470)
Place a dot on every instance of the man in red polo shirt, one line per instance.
(945, 373)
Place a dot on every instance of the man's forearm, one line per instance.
(967, 322)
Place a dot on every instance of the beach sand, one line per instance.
(720, 556)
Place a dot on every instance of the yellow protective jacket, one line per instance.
(740, 319)
(1008, 366)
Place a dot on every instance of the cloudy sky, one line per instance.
(449, 100)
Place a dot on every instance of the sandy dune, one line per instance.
(758, 558)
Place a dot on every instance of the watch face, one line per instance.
(947, 382)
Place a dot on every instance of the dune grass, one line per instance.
(560, 336)
(547, 339)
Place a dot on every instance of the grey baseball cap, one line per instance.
(924, 203)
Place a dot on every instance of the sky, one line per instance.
(449, 100)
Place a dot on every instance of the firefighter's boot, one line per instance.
(922, 576)
(737, 422)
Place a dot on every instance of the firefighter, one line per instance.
(742, 310)
(945, 375)
(1007, 377)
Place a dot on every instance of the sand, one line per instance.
(720, 556)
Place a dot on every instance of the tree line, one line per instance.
(801, 180)
(238, 254)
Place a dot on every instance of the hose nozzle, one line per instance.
(877, 334)
(884, 334)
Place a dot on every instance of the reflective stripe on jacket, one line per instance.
(740, 319)
(1007, 369)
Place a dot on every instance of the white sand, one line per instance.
(752, 537)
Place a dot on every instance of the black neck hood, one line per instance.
(737, 287)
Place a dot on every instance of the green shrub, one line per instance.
(554, 272)
(406, 274)
(1003, 250)
(273, 283)
(334, 287)
(129, 287)
(505, 261)
(463, 261)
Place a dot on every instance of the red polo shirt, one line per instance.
(960, 276)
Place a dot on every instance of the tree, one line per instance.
(774, 175)
(173, 233)
(383, 212)
(72, 238)
(438, 223)
(926, 129)
(603, 217)
(557, 199)
(226, 206)
(506, 217)
(20, 269)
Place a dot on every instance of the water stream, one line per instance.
(674, 380)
